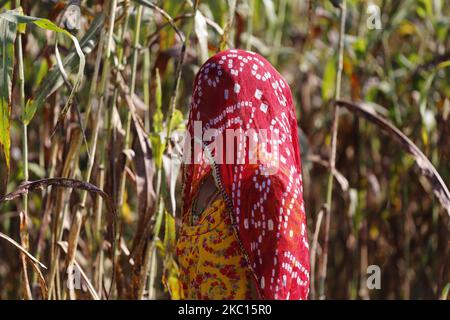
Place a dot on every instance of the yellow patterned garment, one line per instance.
(212, 265)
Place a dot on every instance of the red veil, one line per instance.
(240, 90)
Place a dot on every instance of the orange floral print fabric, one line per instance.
(212, 265)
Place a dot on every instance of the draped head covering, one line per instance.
(243, 130)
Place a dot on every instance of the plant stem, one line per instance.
(146, 88)
(25, 151)
(251, 3)
(228, 26)
(103, 94)
(22, 105)
(314, 252)
(334, 130)
(132, 91)
(109, 127)
(279, 31)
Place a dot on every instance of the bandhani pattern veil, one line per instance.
(240, 90)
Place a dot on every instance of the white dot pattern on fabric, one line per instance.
(263, 107)
(258, 94)
(252, 91)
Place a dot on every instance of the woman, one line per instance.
(243, 234)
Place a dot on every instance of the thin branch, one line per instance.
(340, 178)
(426, 167)
(90, 287)
(27, 187)
(169, 19)
(22, 249)
(314, 250)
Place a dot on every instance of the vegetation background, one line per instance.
(106, 132)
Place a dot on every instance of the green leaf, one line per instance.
(160, 246)
(427, 7)
(158, 146)
(5, 4)
(53, 80)
(22, 26)
(158, 115)
(360, 46)
(329, 78)
(445, 291)
(169, 232)
(443, 65)
(17, 17)
(40, 72)
(48, 25)
(177, 121)
(424, 94)
(31, 108)
(8, 31)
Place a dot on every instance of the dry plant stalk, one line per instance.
(425, 166)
